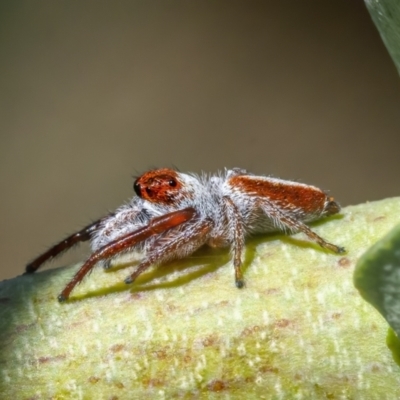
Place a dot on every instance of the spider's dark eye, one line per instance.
(172, 182)
(137, 188)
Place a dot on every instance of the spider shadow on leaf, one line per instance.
(175, 273)
(204, 261)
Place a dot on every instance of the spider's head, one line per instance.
(159, 186)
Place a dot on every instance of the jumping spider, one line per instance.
(173, 214)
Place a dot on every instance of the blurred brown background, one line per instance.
(93, 93)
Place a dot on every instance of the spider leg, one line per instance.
(81, 236)
(281, 220)
(175, 246)
(236, 227)
(155, 226)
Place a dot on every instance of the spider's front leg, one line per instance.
(156, 226)
(176, 245)
(83, 235)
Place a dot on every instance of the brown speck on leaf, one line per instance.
(152, 382)
(345, 379)
(160, 354)
(268, 369)
(375, 367)
(77, 324)
(44, 360)
(336, 315)
(344, 262)
(250, 330)
(23, 327)
(374, 327)
(117, 347)
(272, 291)
(93, 379)
(119, 385)
(135, 296)
(379, 218)
(210, 340)
(216, 386)
(282, 323)
(170, 307)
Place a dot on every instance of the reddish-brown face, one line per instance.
(158, 186)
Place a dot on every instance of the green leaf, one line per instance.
(377, 277)
(297, 330)
(386, 16)
(393, 343)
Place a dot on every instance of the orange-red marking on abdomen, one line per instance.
(308, 198)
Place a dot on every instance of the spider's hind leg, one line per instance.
(238, 238)
(283, 220)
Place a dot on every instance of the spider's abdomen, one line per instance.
(286, 194)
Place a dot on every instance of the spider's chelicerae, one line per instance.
(173, 214)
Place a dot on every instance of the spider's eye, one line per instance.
(137, 188)
(172, 182)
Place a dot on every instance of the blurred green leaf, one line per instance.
(393, 343)
(377, 277)
(386, 16)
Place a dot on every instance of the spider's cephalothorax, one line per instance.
(174, 214)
